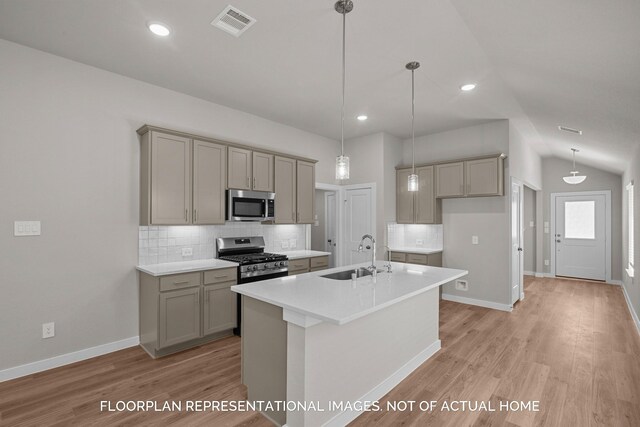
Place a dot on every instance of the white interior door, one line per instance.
(358, 222)
(331, 229)
(581, 236)
(517, 259)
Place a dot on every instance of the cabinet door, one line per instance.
(450, 180)
(220, 308)
(179, 316)
(209, 179)
(239, 168)
(262, 172)
(305, 192)
(483, 177)
(404, 198)
(170, 179)
(285, 189)
(435, 260)
(425, 201)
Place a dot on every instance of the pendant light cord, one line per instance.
(413, 133)
(344, 25)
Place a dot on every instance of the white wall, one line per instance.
(631, 285)
(524, 163)
(487, 218)
(553, 170)
(70, 158)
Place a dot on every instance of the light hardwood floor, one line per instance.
(570, 344)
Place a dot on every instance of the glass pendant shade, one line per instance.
(413, 182)
(574, 178)
(342, 167)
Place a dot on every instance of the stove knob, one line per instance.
(251, 268)
(281, 264)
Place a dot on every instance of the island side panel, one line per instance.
(361, 360)
(264, 354)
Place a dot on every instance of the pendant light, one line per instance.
(574, 178)
(342, 162)
(413, 178)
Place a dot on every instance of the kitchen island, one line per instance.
(330, 346)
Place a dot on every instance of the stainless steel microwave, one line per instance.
(250, 205)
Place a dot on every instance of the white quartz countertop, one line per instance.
(415, 250)
(185, 266)
(304, 254)
(342, 301)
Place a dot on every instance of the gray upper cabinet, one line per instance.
(209, 182)
(239, 168)
(484, 177)
(425, 199)
(404, 198)
(220, 308)
(263, 172)
(305, 192)
(165, 178)
(419, 207)
(450, 180)
(285, 189)
(179, 316)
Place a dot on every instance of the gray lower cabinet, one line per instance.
(185, 310)
(306, 265)
(433, 260)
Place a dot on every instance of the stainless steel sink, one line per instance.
(346, 274)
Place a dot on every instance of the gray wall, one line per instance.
(553, 169)
(631, 284)
(529, 235)
(70, 158)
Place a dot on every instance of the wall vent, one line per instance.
(570, 130)
(233, 21)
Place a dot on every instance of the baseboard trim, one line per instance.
(344, 418)
(478, 302)
(615, 282)
(539, 275)
(529, 273)
(634, 315)
(65, 359)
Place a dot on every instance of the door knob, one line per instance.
(558, 241)
(519, 249)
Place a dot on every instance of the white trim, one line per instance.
(634, 315)
(539, 275)
(615, 282)
(478, 302)
(630, 272)
(529, 273)
(515, 181)
(608, 237)
(345, 417)
(65, 359)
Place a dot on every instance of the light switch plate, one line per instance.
(187, 251)
(532, 224)
(26, 228)
(462, 285)
(546, 262)
(48, 330)
(419, 242)
(474, 240)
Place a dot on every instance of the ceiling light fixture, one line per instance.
(467, 87)
(362, 117)
(574, 178)
(413, 178)
(159, 29)
(342, 162)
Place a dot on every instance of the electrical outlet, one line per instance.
(532, 224)
(26, 228)
(48, 330)
(419, 242)
(474, 240)
(462, 285)
(546, 262)
(285, 244)
(187, 251)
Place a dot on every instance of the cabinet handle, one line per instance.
(219, 277)
(185, 282)
(247, 182)
(293, 217)
(186, 215)
(298, 217)
(254, 182)
(195, 215)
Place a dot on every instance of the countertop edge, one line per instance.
(142, 269)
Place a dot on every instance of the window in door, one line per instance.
(580, 220)
(630, 270)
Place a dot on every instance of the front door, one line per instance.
(580, 239)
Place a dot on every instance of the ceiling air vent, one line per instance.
(233, 21)
(570, 130)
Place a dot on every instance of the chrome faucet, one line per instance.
(372, 267)
(388, 266)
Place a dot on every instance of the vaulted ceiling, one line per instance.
(539, 63)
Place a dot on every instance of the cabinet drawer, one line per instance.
(179, 281)
(398, 257)
(220, 275)
(320, 262)
(417, 259)
(299, 265)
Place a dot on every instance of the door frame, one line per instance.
(607, 227)
(520, 184)
(335, 194)
(339, 212)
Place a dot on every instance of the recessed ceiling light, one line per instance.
(159, 29)
(467, 87)
(362, 117)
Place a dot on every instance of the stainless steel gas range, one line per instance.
(255, 263)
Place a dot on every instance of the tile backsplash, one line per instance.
(159, 244)
(414, 235)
